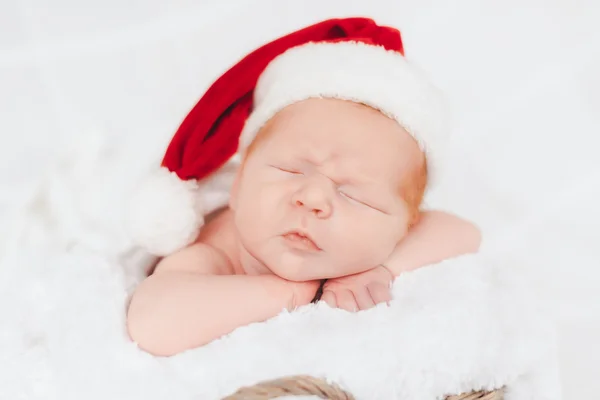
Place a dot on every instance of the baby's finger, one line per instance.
(329, 297)
(379, 292)
(346, 300)
(363, 298)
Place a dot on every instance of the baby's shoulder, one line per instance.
(219, 235)
(453, 231)
(210, 254)
(218, 230)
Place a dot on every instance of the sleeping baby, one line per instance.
(336, 133)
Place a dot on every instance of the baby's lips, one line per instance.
(301, 240)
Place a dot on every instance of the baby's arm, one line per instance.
(190, 300)
(437, 236)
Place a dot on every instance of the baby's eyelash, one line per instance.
(350, 197)
(291, 171)
(362, 202)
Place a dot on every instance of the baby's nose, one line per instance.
(321, 210)
(313, 200)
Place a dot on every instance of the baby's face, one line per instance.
(319, 194)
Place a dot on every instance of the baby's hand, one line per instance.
(303, 293)
(360, 291)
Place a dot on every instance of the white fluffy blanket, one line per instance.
(465, 324)
(67, 266)
(468, 323)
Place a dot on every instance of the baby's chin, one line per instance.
(301, 266)
(293, 270)
(296, 270)
(302, 277)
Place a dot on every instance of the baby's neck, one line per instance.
(247, 264)
(220, 233)
(242, 261)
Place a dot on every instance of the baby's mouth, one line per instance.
(301, 241)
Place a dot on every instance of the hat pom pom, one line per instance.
(165, 213)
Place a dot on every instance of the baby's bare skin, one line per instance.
(322, 196)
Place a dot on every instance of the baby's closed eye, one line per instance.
(350, 196)
(362, 199)
(287, 169)
(355, 197)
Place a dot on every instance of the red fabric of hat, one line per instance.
(209, 135)
(351, 59)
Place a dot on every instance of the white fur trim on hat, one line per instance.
(358, 72)
(165, 213)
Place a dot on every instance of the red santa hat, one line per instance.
(352, 59)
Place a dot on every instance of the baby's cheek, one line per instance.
(354, 246)
(270, 205)
(257, 200)
(370, 240)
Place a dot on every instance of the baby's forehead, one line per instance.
(338, 128)
(325, 110)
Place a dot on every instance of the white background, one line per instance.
(523, 76)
